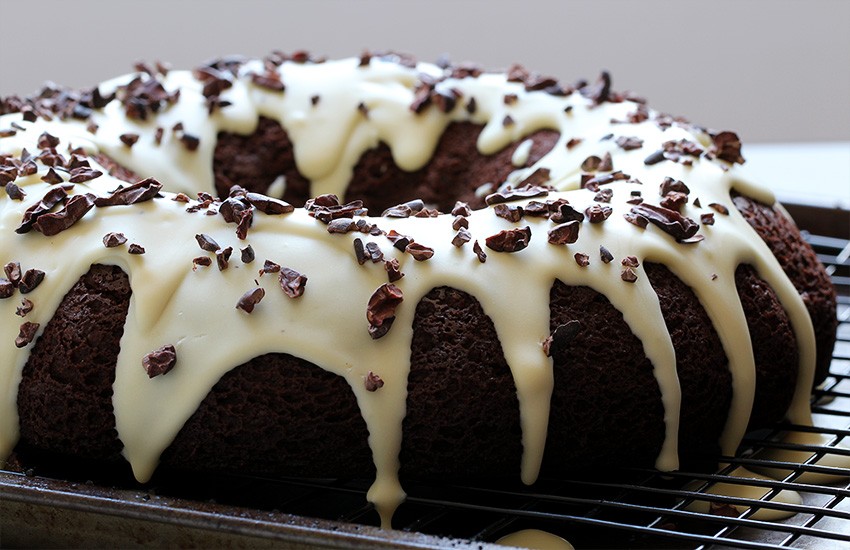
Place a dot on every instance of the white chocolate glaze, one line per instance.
(535, 539)
(328, 138)
(744, 491)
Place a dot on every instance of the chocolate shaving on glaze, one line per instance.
(604, 195)
(509, 240)
(460, 222)
(536, 209)
(129, 139)
(246, 218)
(327, 213)
(136, 249)
(7, 289)
(707, 219)
(630, 261)
(600, 91)
(565, 233)
(598, 213)
(462, 237)
(83, 174)
(719, 208)
(566, 213)
(392, 268)
(605, 255)
(26, 334)
(160, 361)
(636, 219)
(628, 274)
(607, 163)
(52, 177)
(525, 192)
(512, 214)
(726, 146)
(360, 252)
(247, 254)
(374, 252)
(373, 382)
(47, 141)
(669, 185)
(482, 256)
(419, 252)
(231, 209)
(204, 261)
(572, 142)
(583, 260)
(674, 201)
(206, 242)
(669, 221)
(341, 225)
(461, 209)
(30, 280)
(13, 272)
(15, 193)
(113, 239)
(222, 257)
(399, 241)
(629, 143)
(380, 311)
(50, 199)
(141, 191)
(25, 307)
(654, 158)
(591, 163)
(556, 342)
(250, 299)
(53, 223)
(404, 210)
(269, 267)
(269, 205)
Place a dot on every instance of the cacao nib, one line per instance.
(524, 192)
(141, 191)
(461, 209)
(565, 233)
(13, 272)
(15, 193)
(247, 254)
(26, 334)
(629, 143)
(373, 382)
(727, 146)
(670, 221)
(53, 223)
(360, 252)
(250, 299)
(719, 208)
(462, 237)
(598, 213)
(160, 361)
(561, 337)
(674, 201)
(291, 282)
(113, 239)
(246, 218)
(707, 219)
(605, 255)
(393, 272)
(136, 249)
(30, 280)
(509, 240)
(373, 251)
(206, 242)
(203, 261)
(7, 289)
(512, 214)
(25, 307)
(669, 185)
(419, 252)
(380, 311)
(482, 256)
(222, 257)
(269, 205)
(583, 260)
(628, 274)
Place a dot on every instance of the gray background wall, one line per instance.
(774, 70)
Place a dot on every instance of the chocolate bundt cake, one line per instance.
(377, 267)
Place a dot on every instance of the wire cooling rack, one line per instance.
(634, 508)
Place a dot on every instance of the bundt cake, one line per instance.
(380, 267)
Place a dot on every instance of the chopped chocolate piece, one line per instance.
(460, 222)
(630, 261)
(605, 255)
(636, 219)
(84, 174)
(341, 225)
(15, 193)
(380, 311)
(26, 334)
(536, 209)
(654, 158)
(583, 260)
(190, 142)
(697, 203)
(250, 299)
(399, 241)
(374, 252)
(360, 252)
(53, 223)
(113, 239)
(509, 240)
(52, 177)
(269, 205)
(593, 182)
(669, 185)
(573, 142)
(232, 208)
(566, 213)
(607, 163)
(404, 210)
(7, 289)
(46, 141)
(600, 91)
(181, 197)
(674, 201)
(25, 307)
(373, 382)
(222, 256)
(591, 163)
(461, 209)
(419, 252)
(561, 337)
(206, 242)
(393, 272)
(525, 192)
(160, 361)
(727, 146)
(670, 221)
(136, 249)
(629, 143)
(140, 191)
(270, 81)
(719, 208)
(598, 213)
(482, 256)
(604, 195)
(129, 139)
(204, 261)
(50, 199)
(628, 274)
(510, 99)
(512, 214)
(565, 233)
(246, 218)
(269, 267)
(13, 272)
(462, 237)
(707, 219)
(507, 121)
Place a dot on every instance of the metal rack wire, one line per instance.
(635, 508)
